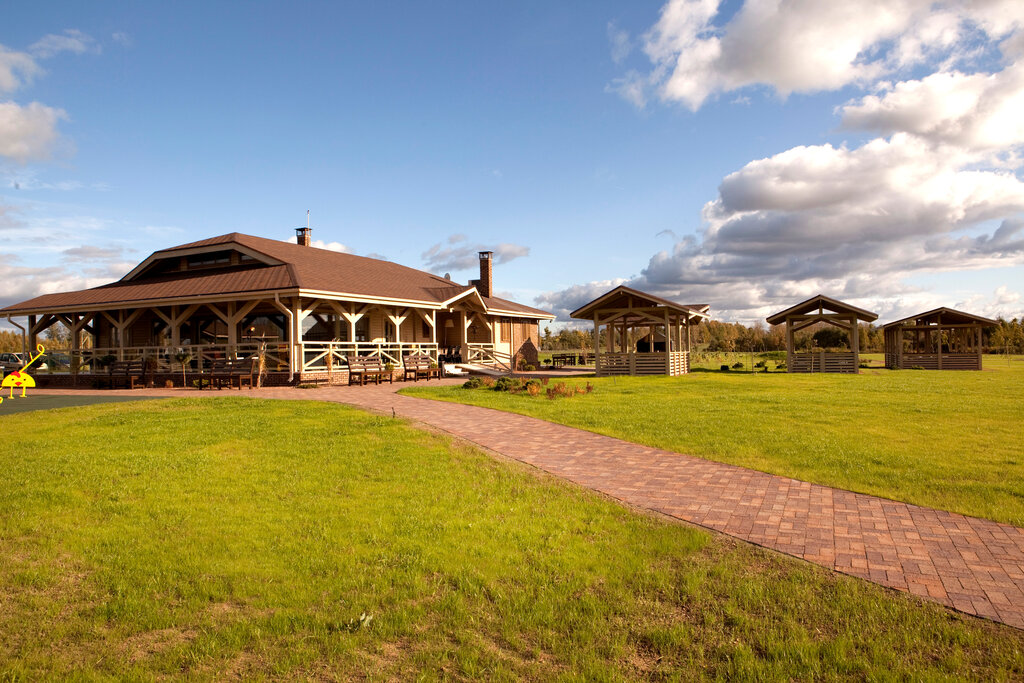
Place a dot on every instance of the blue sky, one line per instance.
(727, 154)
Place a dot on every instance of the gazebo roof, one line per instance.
(621, 295)
(823, 302)
(949, 315)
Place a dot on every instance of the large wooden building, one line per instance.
(309, 308)
(940, 339)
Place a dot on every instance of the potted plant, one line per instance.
(184, 357)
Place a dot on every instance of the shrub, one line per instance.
(487, 381)
(545, 380)
(508, 384)
(761, 364)
(533, 389)
(738, 365)
(724, 368)
(307, 385)
(473, 383)
(529, 368)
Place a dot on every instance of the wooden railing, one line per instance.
(950, 361)
(310, 356)
(324, 356)
(652, 363)
(486, 354)
(823, 361)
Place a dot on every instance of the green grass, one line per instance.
(204, 539)
(950, 440)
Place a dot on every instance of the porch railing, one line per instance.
(324, 356)
(486, 354)
(311, 356)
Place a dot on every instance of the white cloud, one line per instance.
(16, 69)
(977, 111)
(806, 45)
(620, 41)
(439, 258)
(565, 301)
(28, 133)
(26, 282)
(72, 40)
(122, 38)
(320, 244)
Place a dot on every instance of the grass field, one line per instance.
(267, 539)
(950, 440)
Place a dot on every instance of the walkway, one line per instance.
(973, 565)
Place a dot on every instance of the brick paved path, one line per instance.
(973, 565)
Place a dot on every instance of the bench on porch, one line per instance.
(418, 365)
(363, 368)
(232, 372)
(127, 372)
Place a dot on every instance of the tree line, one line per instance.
(712, 335)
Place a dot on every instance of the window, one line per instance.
(506, 330)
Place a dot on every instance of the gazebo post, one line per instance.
(855, 340)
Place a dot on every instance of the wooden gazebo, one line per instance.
(663, 350)
(941, 339)
(812, 311)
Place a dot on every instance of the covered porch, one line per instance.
(642, 334)
(300, 338)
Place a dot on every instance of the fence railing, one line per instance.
(310, 356)
(327, 356)
(486, 354)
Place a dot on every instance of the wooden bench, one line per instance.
(232, 372)
(363, 368)
(418, 365)
(126, 371)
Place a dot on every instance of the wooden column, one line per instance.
(32, 335)
(855, 343)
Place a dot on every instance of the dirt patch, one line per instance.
(142, 646)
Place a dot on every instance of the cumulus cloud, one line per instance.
(565, 301)
(979, 111)
(23, 282)
(72, 40)
(16, 69)
(320, 244)
(460, 256)
(28, 133)
(805, 45)
(93, 253)
(937, 191)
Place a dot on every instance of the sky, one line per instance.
(744, 154)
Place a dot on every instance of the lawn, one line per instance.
(207, 538)
(950, 440)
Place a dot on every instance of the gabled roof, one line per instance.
(949, 316)
(276, 267)
(640, 299)
(821, 302)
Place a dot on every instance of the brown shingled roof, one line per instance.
(305, 268)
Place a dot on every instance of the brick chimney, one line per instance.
(485, 285)
(303, 236)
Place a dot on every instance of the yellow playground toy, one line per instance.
(20, 378)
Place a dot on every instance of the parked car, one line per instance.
(9, 362)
